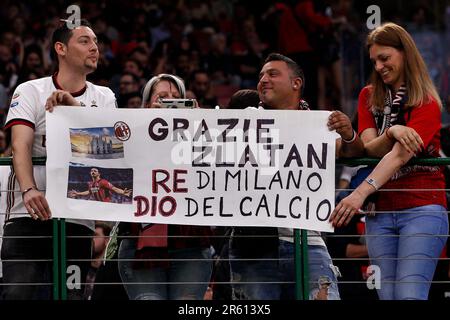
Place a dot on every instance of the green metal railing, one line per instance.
(300, 235)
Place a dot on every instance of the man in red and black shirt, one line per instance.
(100, 189)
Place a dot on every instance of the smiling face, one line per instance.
(81, 50)
(277, 87)
(389, 64)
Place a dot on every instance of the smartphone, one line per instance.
(178, 103)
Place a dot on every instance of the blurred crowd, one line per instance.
(217, 45)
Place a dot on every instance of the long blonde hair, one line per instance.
(419, 87)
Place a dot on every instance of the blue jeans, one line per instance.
(272, 276)
(405, 246)
(182, 280)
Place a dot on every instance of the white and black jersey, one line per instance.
(28, 108)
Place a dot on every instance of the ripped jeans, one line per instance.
(187, 277)
(272, 276)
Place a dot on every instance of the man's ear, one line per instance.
(297, 84)
(60, 48)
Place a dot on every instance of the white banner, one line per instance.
(197, 167)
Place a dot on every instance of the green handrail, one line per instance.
(374, 161)
(38, 161)
(345, 161)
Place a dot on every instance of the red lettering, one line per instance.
(142, 206)
(173, 206)
(162, 182)
(177, 180)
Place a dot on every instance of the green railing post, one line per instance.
(305, 265)
(301, 264)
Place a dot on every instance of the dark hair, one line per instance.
(136, 79)
(105, 226)
(63, 34)
(244, 98)
(32, 48)
(292, 65)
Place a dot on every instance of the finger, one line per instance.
(411, 144)
(36, 210)
(48, 213)
(31, 211)
(419, 140)
(48, 104)
(349, 218)
(342, 218)
(335, 212)
(338, 217)
(405, 145)
(60, 97)
(43, 208)
(414, 144)
(53, 99)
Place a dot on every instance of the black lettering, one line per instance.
(276, 178)
(293, 155)
(231, 124)
(290, 207)
(219, 159)
(179, 126)
(206, 206)
(162, 132)
(221, 209)
(307, 208)
(263, 204)
(292, 178)
(308, 181)
(202, 130)
(189, 214)
(245, 214)
(272, 151)
(323, 202)
(200, 184)
(204, 151)
(256, 187)
(260, 129)
(246, 127)
(277, 200)
(248, 155)
(238, 175)
(312, 154)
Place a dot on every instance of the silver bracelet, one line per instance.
(373, 183)
(352, 139)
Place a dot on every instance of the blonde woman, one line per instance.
(399, 118)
